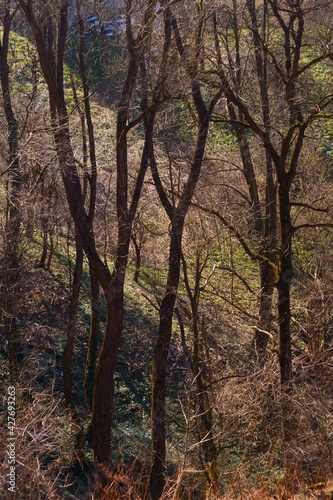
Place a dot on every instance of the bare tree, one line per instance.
(284, 146)
(197, 360)
(264, 211)
(13, 215)
(51, 60)
(177, 214)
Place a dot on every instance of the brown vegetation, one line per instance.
(166, 259)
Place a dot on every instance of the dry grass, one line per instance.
(44, 441)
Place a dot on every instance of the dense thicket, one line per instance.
(166, 258)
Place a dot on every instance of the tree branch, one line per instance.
(312, 226)
(310, 207)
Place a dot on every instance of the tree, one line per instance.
(177, 214)
(13, 216)
(51, 60)
(198, 361)
(264, 211)
(284, 141)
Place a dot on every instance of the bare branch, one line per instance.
(312, 226)
(310, 207)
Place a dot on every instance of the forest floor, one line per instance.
(45, 436)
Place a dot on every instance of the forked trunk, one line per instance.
(177, 217)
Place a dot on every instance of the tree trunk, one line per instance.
(206, 434)
(103, 398)
(45, 235)
(51, 252)
(284, 281)
(68, 353)
(177, 217)
(29, 229)
(265, 227)
(94, 284)
(261, 337)
(93, 340)
(11, 274)
(284, 330)
(138, 258)
(161, 353)
(197, 363)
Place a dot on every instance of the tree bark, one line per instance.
(283, 285)
(45, 235)
(267, 278)
(103, 398)
(94, 284)
(68, 351)
(284, 330)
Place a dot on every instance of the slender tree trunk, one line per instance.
(261, 336)
(138, 258)
(266, 237)
(197, 363)
(283, 286)
(45, 235)
(29, 230)
(205, 417)
(93, 340)
(267, 277)
(103, 398)
(51, 252)
(265, 228)
(161, 353)
(11, 274)
(284, 327)
(68, 353)
(94, 284)
(210, 452)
